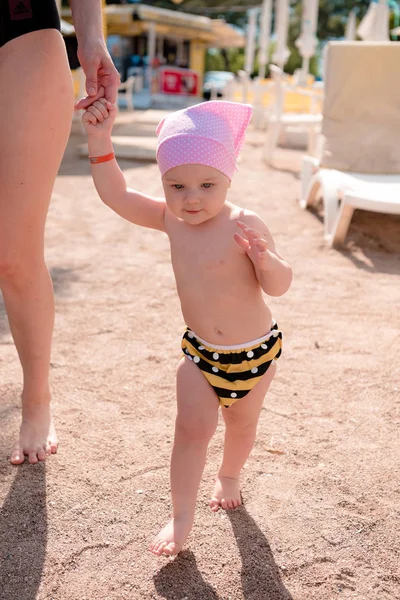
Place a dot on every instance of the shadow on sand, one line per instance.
(372, 242)
(23, 534)
(181, 578)
(261, 579)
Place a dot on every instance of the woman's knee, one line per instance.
(18, 270)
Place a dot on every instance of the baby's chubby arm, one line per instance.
(108, 178)
(272, 271)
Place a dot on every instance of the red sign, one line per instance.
(178, 81)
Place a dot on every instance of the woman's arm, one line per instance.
(92, 52)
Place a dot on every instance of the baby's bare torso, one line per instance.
(221, 299)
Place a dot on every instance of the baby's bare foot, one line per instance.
(226, 494)
(37, 436)
(170, 540)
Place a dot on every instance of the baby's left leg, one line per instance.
(196, 421)
(241, 420)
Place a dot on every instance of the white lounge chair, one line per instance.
(125, 92)
(359, 166)
(279, 120)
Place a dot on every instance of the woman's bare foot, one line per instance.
(170, 540)
(226, 494)
(37, 436)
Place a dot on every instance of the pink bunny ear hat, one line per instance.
(211, 133)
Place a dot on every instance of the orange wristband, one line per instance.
(94, 160)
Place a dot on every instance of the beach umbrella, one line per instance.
(307, 42)
(250, 40)
(265, 32)
(282, 52)
(374, 27)
(351, 27)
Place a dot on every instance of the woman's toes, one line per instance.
(33, 459)
(17, 457)
(41, 454)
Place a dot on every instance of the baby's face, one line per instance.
(195, 193)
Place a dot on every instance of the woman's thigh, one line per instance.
(36, 106)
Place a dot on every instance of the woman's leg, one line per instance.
(36, 106)
(241, 420)
(196, 422)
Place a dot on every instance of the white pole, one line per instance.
(151, 51)
(179, 52)
(307, 42)
(265, 32)
(160, 48)
(281, 53)
(250, 40)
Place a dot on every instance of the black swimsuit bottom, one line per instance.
(18, 17)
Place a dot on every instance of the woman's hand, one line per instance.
(100, 73)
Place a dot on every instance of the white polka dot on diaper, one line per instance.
(190, 357)
(254, 370)
(275, 333)
(201, 348)
(264, 346)
(233, 395)
(250, 354)
(190, 334)
(215, 356)
(215, 369)
(196, 359)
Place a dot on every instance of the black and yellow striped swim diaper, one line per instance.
(233, 371)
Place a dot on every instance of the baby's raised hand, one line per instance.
(99, 117)
(255, 246)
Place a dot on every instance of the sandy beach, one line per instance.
(321, 496)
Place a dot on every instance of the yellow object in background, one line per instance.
(78, 80)
(294, 101)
